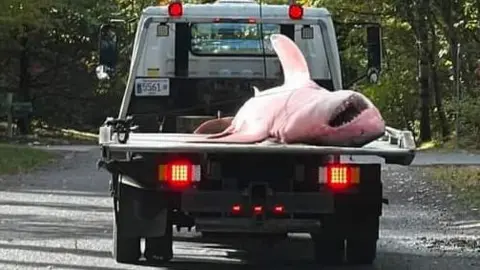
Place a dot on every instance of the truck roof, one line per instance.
(236, 8)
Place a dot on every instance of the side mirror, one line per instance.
(107, 45)
(357, 39)
(374, 53)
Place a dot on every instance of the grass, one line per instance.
(67, 134)
(46, 135)
(462, 180)
(17, 159)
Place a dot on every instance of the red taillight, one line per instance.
(175, 9)
(236, 209)
(295, 11)
(341, 176)
(179, 172)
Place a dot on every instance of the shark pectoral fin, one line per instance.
(294, 64)
(256, 91)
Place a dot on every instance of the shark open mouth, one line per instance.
(350, 109)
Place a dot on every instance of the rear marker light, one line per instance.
(278, 209)
(257, 209)
(236, 209)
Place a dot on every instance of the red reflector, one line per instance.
(236, 208)
(257, 209)
(295, 12)
(175, 9)
(339, 176)
(179, 172)
(278, 209)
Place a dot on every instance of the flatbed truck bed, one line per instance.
(396, 147)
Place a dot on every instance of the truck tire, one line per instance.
(160, 249)
(328, 249)
(125, 249)
(362, 245)
(361, 251)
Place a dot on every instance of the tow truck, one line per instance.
(194, 62)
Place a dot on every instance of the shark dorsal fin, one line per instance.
(294, 65)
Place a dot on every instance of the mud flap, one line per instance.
(141, 212)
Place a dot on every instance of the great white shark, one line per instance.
(298, 111)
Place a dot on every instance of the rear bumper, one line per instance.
(213, 211)
(221, 202)
(250, 225)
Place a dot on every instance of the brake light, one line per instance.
(179, 172)
(295, 11)
(175, 9)
(341, 176)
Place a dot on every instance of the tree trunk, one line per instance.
(24, 78)
(435, 85)
(422, 32)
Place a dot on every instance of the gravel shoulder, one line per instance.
(59, 217)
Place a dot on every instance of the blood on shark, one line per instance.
(299, 110)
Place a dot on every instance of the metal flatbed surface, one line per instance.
(163, 142)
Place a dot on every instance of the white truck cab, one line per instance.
(196, 49)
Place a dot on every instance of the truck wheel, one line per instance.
(328, 249)
(125, 249)
(160, 249)
(362, 245)
(361, 250)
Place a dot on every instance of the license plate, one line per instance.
(152, 87)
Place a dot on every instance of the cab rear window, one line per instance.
(228, 39)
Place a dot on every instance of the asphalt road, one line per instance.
(60, 218)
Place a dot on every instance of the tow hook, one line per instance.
(385, 201)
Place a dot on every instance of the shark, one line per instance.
(298, 111)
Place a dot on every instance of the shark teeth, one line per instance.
(347, 111)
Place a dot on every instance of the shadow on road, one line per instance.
(58, 206)
(61, 250)
(17, 226)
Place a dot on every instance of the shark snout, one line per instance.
(353, 120)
